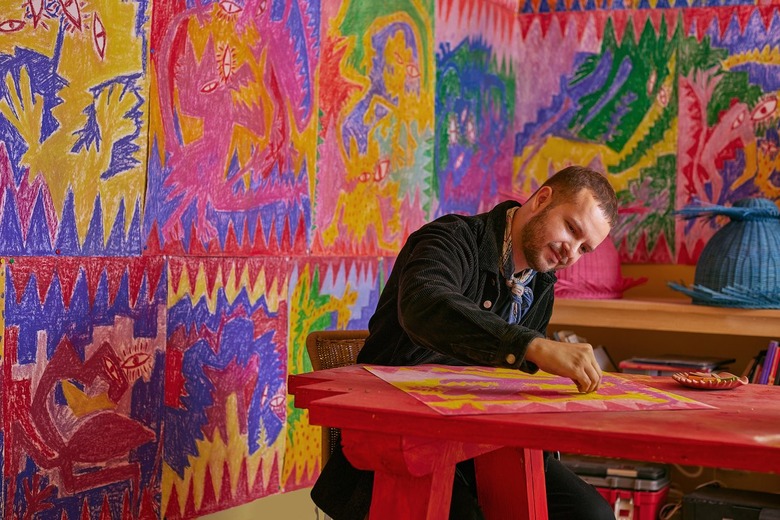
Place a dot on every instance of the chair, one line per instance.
(332, 349)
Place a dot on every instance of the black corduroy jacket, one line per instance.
(446, 302)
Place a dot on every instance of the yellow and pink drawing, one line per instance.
(482, 390)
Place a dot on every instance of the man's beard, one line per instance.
(532, 241)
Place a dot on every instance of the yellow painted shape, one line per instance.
(214, 453)
(537, 160)
(766, 56)
(82, 68)
(81, 403)
(274, 290)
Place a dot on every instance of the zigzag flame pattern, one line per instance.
(30, 226)
(694, 20)
(224, 474)
(197, 278)
(141, 276)
(546, 6)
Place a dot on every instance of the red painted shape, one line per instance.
(175, 268)
(174, 378)
(93, 269)
(233, 379)
(189, 506)
(85, 510)
(67, 275)
(127, 511)
(196, 246)
(193, 265)
(767, 12)
(209, 502)
(135, 278)
(105, 509)
(115, 270)
(242, 486)
(149, 508)
(153, 241)
(511, 483)
(225, 492)
(231, 241)
(154, 269)
(412, 448)
(172, 510)
(272, 486)
(619, 21)
(545, 19)
(211, 270)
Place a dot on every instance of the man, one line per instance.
(478, 290)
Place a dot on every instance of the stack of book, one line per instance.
(763, 369)
(668, 364)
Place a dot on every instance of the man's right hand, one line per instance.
(573, 360)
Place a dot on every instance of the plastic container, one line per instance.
(637, 491)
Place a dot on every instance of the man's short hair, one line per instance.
(569, 181)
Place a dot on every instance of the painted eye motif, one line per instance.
(663, 96)
(651, 82)
(10, 26)
(381, 170)
(765, 109)
(135, 361)
(364, 177)
(209, 87)
(36, 6)
(412, 71)
(99, 35)
(471, 131)
(111, 369)
(399, 59)
(226, 64)
(230, 7)
(738, 121)
(72, 12)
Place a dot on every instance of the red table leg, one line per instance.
(404, 496)
(510, 484)
(412, 475)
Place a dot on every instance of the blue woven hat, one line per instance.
(740, 265)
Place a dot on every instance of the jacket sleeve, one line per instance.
(443, 264)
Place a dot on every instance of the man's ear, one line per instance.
(542, 199)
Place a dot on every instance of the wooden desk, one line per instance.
(413, 449)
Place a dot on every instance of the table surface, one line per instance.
(742, 432)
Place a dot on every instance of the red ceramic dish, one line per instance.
(709, 381)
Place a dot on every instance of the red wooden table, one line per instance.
(413, 449)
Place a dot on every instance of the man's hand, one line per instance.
(573, 360)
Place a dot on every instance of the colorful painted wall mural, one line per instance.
(225, 383)
(375, 153)
(476, 62)
(83, 371)
(233, 126)
(677, 106)
(189, 187)
(74, 90)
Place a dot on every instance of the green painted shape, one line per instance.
(362, 13)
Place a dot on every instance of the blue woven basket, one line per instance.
(740, 265)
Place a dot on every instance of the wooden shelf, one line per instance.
(666, 315)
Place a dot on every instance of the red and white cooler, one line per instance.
(636, 490)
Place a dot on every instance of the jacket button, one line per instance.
(487, 304)
(510, 359)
